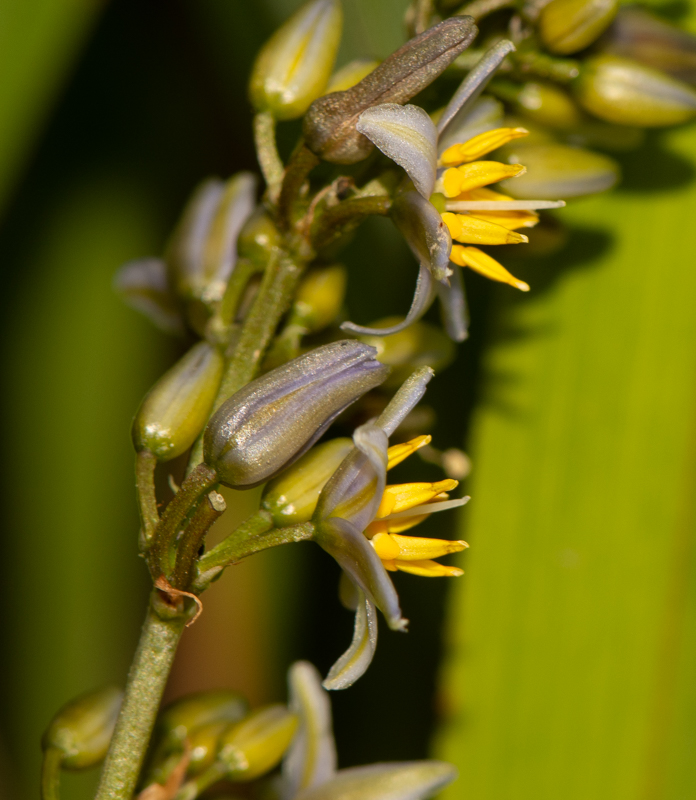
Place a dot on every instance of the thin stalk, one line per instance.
(248, 539)
(210, 510)
(146, 681)
(333, 222)
(267, 152)
(50, 774)
(196, 786)
(301, 163)
(147, 500)
(199, 481)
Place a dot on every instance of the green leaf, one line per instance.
(571, 655)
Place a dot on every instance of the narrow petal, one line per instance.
(424, 231)
(406, 780)
(422, 300)
(469, 229)
(483, 114)
(311, 758)
(475, 82)
(454, 310)
(456, 180)
(402, 496)
(406, 399)
(428, 569)
(429, 508)
(354, 662)
(512, 220)
(482, 263)
(414, 548)
(479, 146)
(356, 556)
(407, 135)
(144, 285)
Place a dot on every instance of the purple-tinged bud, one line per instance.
(330, 124)
(273, 420)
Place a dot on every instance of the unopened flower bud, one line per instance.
(258, 238)
(144, 285)
(180, 718)
(620, 90)
(82, 729)
(292, 497)
(273, 420)
(558, 170)
(319, 298)
(175, 410)
(257, 744)
(295, 64)
(643, 37)
(330, 124)
(202, 252)
(419, 345)
(566, 26)
(544, 103)
(351, 74)
(204, 743)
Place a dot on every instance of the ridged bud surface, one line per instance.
(273, 420)
(566, 26)
(175, 410)
(294, 66)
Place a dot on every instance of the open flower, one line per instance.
(447, 198)
(359, 520)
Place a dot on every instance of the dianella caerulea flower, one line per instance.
(309, 768)
(359, 520)
(448, 199)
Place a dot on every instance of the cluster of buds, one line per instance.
(213, 737)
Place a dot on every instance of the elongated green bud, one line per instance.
(204, 743)
(619, 90)
(82, 729)
(273, 420)
(319, 298)
(566, 26)
(558, 170)
(292, 497)
(183, 716)
(256, 745)
(544, 103)
(175, 410)
(258, 238)
(330, 124)
(294, 66)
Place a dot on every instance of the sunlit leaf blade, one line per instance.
(570, 662)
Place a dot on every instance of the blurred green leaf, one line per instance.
(39, 41)
(570, 659)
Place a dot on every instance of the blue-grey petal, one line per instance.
(482, 115)
(455, 313)
(407, 135)
(403, 402)
(475, 82)
(311, 758)
(422, 300)
(354, 662)
(144, 286)
(425, 232)
(407, 780)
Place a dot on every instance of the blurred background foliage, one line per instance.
(569, 644)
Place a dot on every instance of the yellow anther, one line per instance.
(512, 220)
(479, 146)
(399, 452)
(472, 230)
(478, 173)
(404, 496)
(413, 548)
(482, 263)
(427, 569)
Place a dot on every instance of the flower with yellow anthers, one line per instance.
(447, 198)
(360, 521)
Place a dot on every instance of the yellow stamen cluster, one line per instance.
(466, 179)
(410, 553)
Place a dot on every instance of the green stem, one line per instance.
(562, 70)
(333, 223)
(146, 681)
(195, 787)
(301, 163)
(479, 9)
(254, 535)
(147, 500)
(50, 774)
(199, 481)
(204, 516)
(267, 152)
